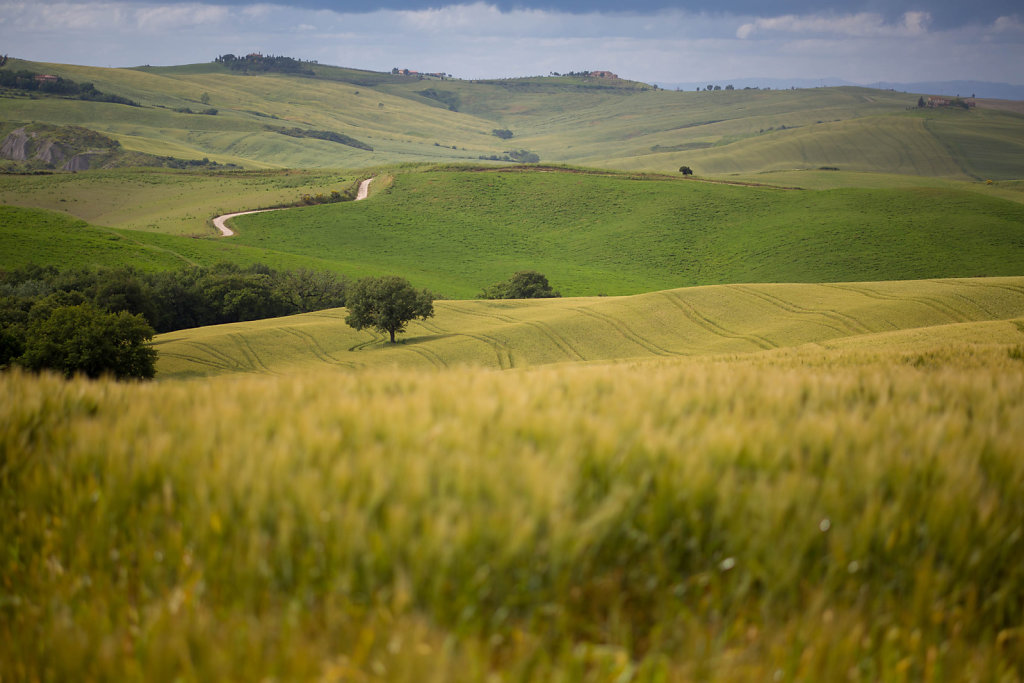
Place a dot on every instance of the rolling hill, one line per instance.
(457, 230)
(697, 321)
(592, 121)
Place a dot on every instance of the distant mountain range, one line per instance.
(998, 91)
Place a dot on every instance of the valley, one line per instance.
(770, 429)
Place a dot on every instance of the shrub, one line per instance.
(525, 284)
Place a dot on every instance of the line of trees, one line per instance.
(46, 84)
(265, 63)
(99, 320)
(328, 135)
(519, 156)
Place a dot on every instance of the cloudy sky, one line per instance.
(861, 41)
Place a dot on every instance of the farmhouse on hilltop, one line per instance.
(603, 74)
(934, 102)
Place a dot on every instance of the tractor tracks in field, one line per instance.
(695, 316)
(937, 305)
(987, 286)
(502, 351)
(560, 342)
(317, 349)
(849, 324)
(624, 331)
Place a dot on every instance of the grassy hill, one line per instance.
(590, 121)
(458, 230)
(173, 202)
(685, 322)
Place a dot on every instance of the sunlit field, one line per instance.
(853, 514)
(697, 321)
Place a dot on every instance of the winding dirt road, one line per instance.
(220, 222)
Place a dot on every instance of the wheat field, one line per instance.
(697, 321)
(792, 514)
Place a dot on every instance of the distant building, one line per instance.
(603, 74)
(46, 78)
(935, 102)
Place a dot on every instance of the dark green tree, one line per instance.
(525, 284)
(13, 325)
(86, 340)
(387, 304)
(686, 170)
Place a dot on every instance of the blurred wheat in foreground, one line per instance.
(804, 515)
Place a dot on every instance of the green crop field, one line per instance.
(32, 236)
(458, 230)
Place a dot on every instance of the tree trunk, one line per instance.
(392, 336)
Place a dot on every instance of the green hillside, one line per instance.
(173, 202)
(459, 230)
(686, 322)
(32, 236)
(591, 121)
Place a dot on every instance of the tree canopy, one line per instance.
(387, 304)
(525, 284)
(84, 339)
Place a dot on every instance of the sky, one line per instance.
(657, 41)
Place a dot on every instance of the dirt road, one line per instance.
(220, 222)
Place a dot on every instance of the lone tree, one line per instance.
(387, 304)
(686, 170)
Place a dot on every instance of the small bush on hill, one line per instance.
(525, 284)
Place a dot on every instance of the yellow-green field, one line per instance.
(798, 515)
(686, 322)
(613, 124)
